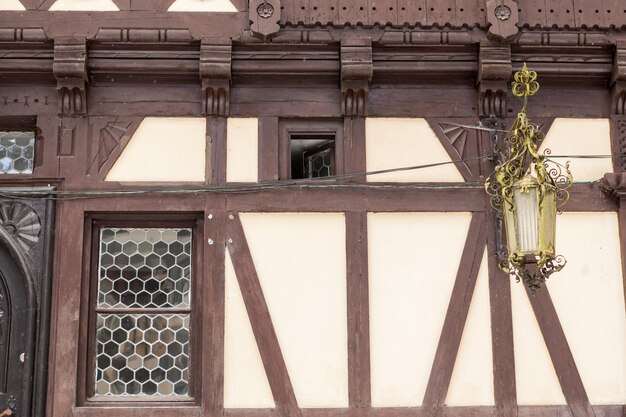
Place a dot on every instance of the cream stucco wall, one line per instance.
(413, 261)
(588, 295)
(536, 380)
(245, 381)
(581, 137)
(11, 5)
(202, 6)
(242, 144)
(301, 262)
(84, 5)
(401, 142)
(472, 378)
(164, 149)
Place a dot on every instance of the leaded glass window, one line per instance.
(143, 312)
(17, 152)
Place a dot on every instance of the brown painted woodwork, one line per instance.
(500, 306)
(456, 317)
(461, 143)
(504, 18)
(215, 72)
(108, 138)
(354, 148)
(562, 358)
(269, 149)
(433, 59)
(356, 73)
(359, 376)
(260, 319)
(213, 311)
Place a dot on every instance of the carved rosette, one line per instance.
(215, 72)
(264, 17)
(70, 70)
(503, 16)
(21, 223)
(356, 74)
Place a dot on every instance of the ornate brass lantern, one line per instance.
(527, 190)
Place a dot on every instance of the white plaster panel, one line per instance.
(245, 380)
(472, 377)
(581, 137)
(402, 142)
(84, 5)
(202, 6)
(242, 150)
(413, 261)
(536, 380)
(164, 149)
(588, 295)
(301, 262)
(11, 5)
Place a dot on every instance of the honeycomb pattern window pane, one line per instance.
(142, 354)
(144, 268)
(143, 312)
(17, 152)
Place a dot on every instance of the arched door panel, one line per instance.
(15, 325)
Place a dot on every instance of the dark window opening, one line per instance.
(310, 148)
(312, 156)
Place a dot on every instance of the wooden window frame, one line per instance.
(24, 124)
(290, 129)
(87, 357)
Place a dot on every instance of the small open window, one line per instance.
(310, 149)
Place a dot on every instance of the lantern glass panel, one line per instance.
(547, 226)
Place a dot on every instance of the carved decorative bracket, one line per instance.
(503, 16)
(70, 70)
(264, 17)
(614, 185)
(618, 80)
(357, 70)
(494, 72)
(215, 72)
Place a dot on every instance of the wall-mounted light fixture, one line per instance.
(527, 190)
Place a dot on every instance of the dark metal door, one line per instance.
(14, 331)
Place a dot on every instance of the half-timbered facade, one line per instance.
(259, 208)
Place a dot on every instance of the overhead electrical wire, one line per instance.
(314, 183)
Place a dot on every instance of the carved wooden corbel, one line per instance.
(215, 72)
(614, 185)
(503, 16)
(494, 72)
(618, 81)
(264, 17)
(356, 74)
(70, 70)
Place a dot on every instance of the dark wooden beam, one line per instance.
(260, 319)
(456, 317)
(359, 376)
(213, 311)
(562, 358)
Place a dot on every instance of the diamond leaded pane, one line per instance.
(17, 152)
(144, 268)
(142, 354)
